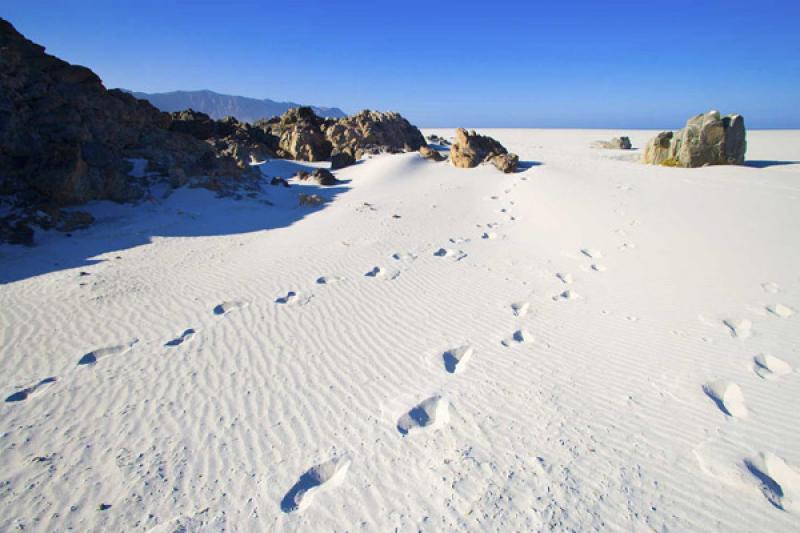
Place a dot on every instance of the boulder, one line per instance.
(616, 143)
(370, 132)
(341, 160)
(707, 139)
(279, 181)
(470, 150)
(429, 153)
(506, 163)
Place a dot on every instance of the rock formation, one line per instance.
(65, 139)
(300, 135)
(429, 153)
(616, 143)
(470, 150)
(341, 160)
(244, 143)
(707, 139)
(506, 163)
(370, 132)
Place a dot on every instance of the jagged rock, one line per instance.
(341, 160)
(299, 133)
(370, 132)
(616, 143)
(240, 141)
(429, 153)
(65, 139)
(470, 150)
(506, 163)
(707, 139)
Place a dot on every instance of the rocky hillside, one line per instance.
(218, 106)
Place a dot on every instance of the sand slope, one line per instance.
(587, 344)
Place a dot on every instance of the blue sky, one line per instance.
(479, 64)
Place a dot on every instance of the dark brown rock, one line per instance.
(342, 160)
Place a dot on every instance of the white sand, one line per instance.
(244, 362)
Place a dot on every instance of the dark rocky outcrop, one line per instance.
(243, 143)
(470, 150)
(616, 143)
(429, 153)
(65, 139)
(707, 139)
(342, 160)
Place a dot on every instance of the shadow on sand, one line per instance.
(522, 166)
(767, 163)
(183, 212)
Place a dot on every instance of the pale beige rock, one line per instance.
(707, 139)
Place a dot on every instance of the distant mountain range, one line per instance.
(222, 105)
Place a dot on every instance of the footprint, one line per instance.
(520, 309)
(319, 478)
(489, 235)
(780, 310)
(460, 240)
(28, 392)
(92, 357)
(740, 327)
(770, 367)
(404, 256)
(185, 336)
(519, 337)
(290, 297)
(226, 307)
(592, 253)
(376, 272)
(568, 294)
(599, 268)
(565, 278)
(457, 255)
(728, 397)
(432, 413)
(456, 359)
(780, 483)
(327, 280)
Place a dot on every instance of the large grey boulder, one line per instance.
(707, 139)
(470, 150)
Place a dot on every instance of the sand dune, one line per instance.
(577, 346)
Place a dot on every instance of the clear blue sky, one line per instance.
(508, 64)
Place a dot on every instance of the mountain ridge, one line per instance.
(218, 105)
